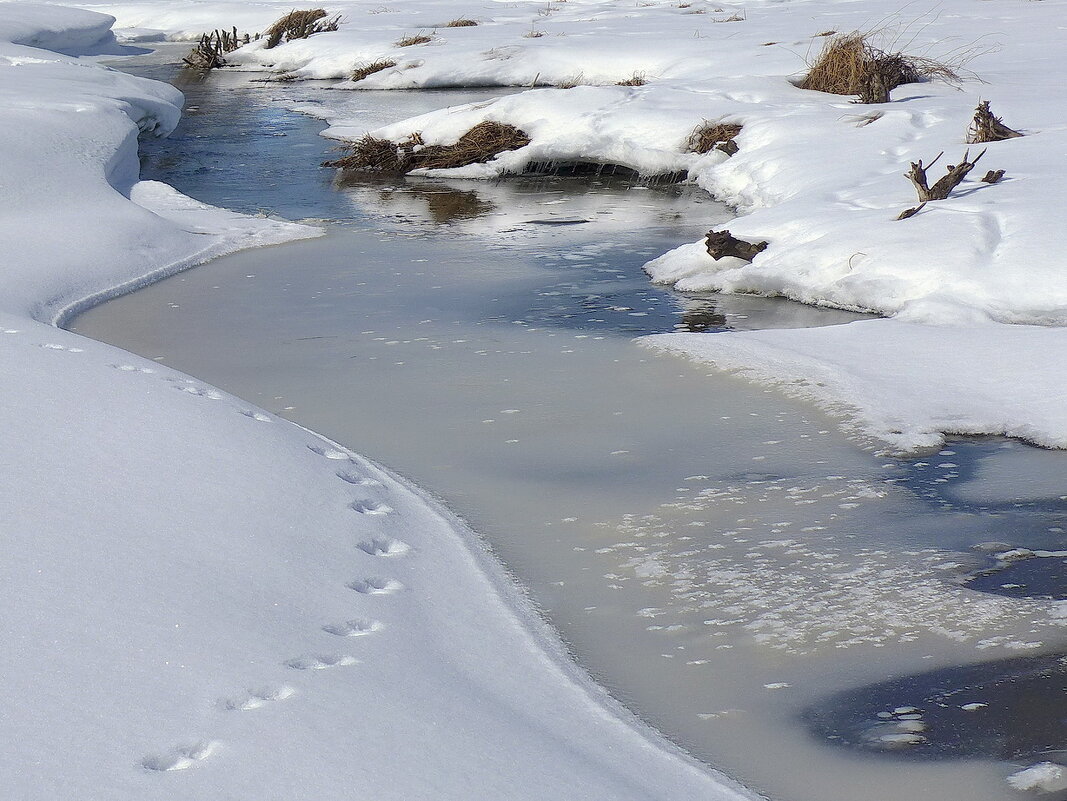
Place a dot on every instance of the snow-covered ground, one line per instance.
(201, 600)
(817, 176)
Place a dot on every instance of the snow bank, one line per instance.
(905, 383)
(201, 600)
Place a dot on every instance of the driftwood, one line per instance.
(911, 212)
(985, 127)
(992, 176)
(946, 183)
(723, 243)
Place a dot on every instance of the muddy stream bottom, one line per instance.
(820, 622)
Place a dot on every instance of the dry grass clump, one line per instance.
(369, 69)
(417, 39)
(533, 34)
(572, 81)
(710, 136)
(986, 127)
(850, 65)
(461, 23)
(300, 25)
(481, 143)
(209, 51)
(637, 79)
(370, 155)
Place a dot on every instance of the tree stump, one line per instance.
(988, 128)
(946, 183)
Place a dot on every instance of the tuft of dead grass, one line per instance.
(300, 25)
(710, 136)
(481, 143)
(369, 69)
(369, 154)
(637, 79)
(417, 39)
(572, 81)
(850, 65)
(461, 22)
(209, 51)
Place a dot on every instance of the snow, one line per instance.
(904, 383)
(204, 601)
(817, 176)
(1044, 777)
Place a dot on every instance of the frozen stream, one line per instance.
(718, 556)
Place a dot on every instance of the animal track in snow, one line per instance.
(329, 453)
(384, 546)
(182, 757)
(200, 392)
(130, 368)
(374, 585)
(56, 346)
(252, 413)
(320, 661)
(357, 479)
(254, 699)
(353, 628)
(370, 507)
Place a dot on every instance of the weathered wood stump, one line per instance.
(723, 243)
(986, 127)
(946, 183)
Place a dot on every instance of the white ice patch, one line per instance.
(1044, 777)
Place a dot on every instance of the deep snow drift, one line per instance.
(201, 600)
(816, 175)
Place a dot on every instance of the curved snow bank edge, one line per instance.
(905, 384)
(546, 638)
(230, 231)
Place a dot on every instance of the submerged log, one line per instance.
(723, 243)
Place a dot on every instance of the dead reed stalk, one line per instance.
(850, 65)
(300, 25)
(481, 143)
(209, 51)
(417, 39)
(369, 69)
(710, 136)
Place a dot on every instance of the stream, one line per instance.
(821, 622)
